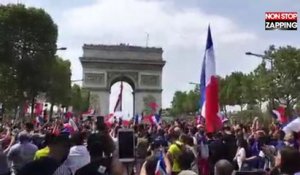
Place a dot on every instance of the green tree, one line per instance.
(9, 92)
(234, 89)
(59, 91)
(185, 102)
(80, 99)
(76, 98)
(223, 96)
(177, 103)
(261, 83)
(281, 80)
(249, 95)
(27, 47)
(285, 74)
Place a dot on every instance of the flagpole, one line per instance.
(121, 96)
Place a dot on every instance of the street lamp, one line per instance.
(76, 80)
(197, 86)
(61, 48)
(270, 59)
(264, 57)
(254, 54)
(194, 83)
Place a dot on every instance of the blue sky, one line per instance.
(178, 26)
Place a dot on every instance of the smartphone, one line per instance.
(126, 144)
(100, 120)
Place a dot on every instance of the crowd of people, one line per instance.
(67, 146)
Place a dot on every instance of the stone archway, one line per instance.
(103, 65)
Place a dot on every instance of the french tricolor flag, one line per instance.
(160, 166)
(209, 88)
(138, 119)
(155, 119)
(89, 112)
(293, 126)
(279, 114)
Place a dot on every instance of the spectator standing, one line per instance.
(53, 163)
(21, 153)
(103, 161)
(79, 155)
(223, 167)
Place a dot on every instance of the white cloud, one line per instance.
(181, 33)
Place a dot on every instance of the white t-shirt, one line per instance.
(78, 157)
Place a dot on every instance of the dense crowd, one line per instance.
(181, 147)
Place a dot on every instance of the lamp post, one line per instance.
(197, 85)
(264, 57)
(73, 81)
(270, 59)
(61, 48)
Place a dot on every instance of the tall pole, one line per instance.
(147, 39)
(272, 89)
(133, 96)
(270, 59)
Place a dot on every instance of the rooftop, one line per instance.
(122, 47)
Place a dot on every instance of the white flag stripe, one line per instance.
(293, 126)
(276, 113)
(210, 69)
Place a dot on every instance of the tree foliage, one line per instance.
(79, 99)
(285, 74)
(27, 47)
(59, 91)
(275, 80)
(185, 102)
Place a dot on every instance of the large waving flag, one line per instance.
(155, 119)
(279, 114)
(209, 88)
(293, 126)
(89, 112)
(38, 108)
(118, 106)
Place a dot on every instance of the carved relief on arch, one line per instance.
(95, 102)
(94, 78)
(150, 80)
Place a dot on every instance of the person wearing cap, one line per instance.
(21, 153)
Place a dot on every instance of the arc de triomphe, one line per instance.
(141, 67)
